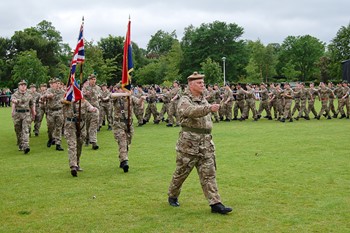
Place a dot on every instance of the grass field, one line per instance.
(278, 177)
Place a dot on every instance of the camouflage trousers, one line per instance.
(249, 105)
(287, 113)
(264, 105)
(21, 123)
(74, 143)
(38, 119)
(138, 111)
(151, 110)
(303, 109)
(54, 125)
(331, 106)
(164, 110)
(341, 104)
(273, 105)
(311, 107)
(226, 110)
(198, 151)
(105, 112)
(123, 138)
(296, 106)
(239, 105)
(173, 112)
(324, 108)
(92, 123)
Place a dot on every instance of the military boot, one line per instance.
(173, 201)
(125, 166)
(220, 208)
(59, 148)
(95, 146)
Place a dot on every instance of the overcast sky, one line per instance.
(271, 21)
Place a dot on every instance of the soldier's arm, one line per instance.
(189, 110)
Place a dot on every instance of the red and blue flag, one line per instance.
(127, 61)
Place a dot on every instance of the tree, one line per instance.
(262, 61)
(339, 50)
(160, 43)
(44, 39)
(213, 72)
(29, 67)
(302, 53)
(214, 40)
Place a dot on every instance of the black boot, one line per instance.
(73, 171)
(95, 146)
(124, 165)
(220, 208)
(58, 147)
(173, 201)
(49, 143)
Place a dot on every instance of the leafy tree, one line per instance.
(153, 73)
(303, 53)
(160, 43)
(263, 61)
(213, 72)
(215, 40)
(339, 50)
(44, 39)
(172, 62)
(29, 67)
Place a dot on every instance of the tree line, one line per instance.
(38, 53)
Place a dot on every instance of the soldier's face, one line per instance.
(92, 81)
(197, 86)
(22, 87)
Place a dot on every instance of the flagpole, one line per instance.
(81, 89)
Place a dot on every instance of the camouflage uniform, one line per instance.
(313, 93)
(54, 115)
(324, 93)
(37, 122)
(175, 94)
(338, 92)
(273, 100)
(105, 108)
(239, 104)
(122, 135)
(195, 147)
(166, 105)
(139, 109)
(288, 99)
(92, 94)
(211, 97)
(151, 107)
(41, 111)
(22, 108)
(303, 94)
(226, 104)
(71, 124)
(249, 104)
(296, 100)
(264, 102)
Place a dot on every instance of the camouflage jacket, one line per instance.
(92, 94)
(24, 100)
(56, 101)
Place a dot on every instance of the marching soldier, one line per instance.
(239, 104)
(74, 131)
(105, 106)
(151, 107)
(92, 94)
(23, 111)
(264, 102)
(288, 99)
(139, 109)
(175, 94)
(249, 103)
(41, 111)
(195, 147)
(36, 98)
(324, 93)
(54, 115)
(122, 126)
(226, 103)
(313, 93)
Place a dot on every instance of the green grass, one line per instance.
(278, 177)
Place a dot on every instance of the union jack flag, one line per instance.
(127, 61)
(73, 92)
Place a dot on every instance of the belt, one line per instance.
(22, 110)
(74, 119)
(324, 98)
(55, 109)
(196, 130)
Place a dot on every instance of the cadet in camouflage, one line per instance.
(195, 147)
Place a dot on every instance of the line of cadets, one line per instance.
(276, 101)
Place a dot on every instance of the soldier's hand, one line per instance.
(214, 107)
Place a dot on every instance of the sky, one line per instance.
(270, 21)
